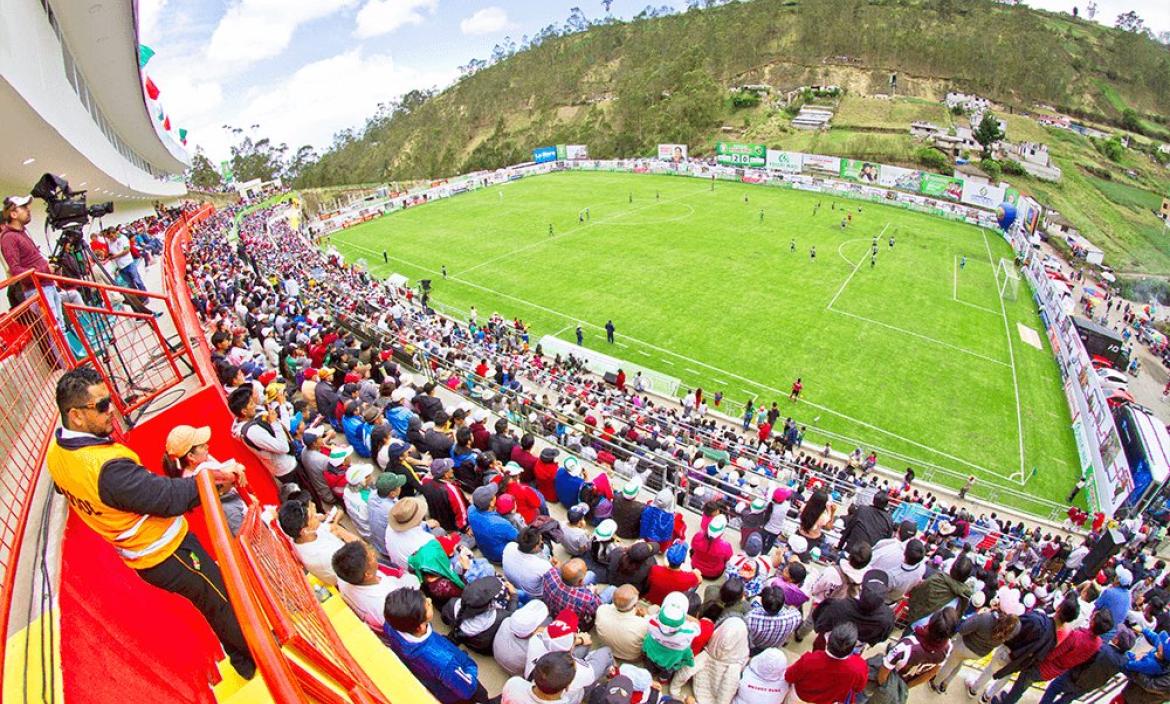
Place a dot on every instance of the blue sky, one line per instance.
(304, 69)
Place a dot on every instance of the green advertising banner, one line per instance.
(864, 171)
(562, 152)
(944, 187)
(225, 170)
(1012, 196)
(736, 154)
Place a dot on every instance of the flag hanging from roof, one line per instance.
(151, 89)
(161, 115)
(167, 124)
(144, 55)
(183, 135)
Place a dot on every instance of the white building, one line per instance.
(74, 105)
(970, 103)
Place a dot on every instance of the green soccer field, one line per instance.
(911, 352)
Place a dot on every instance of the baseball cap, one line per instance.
(577, 512)
(630, 490)
(673, 613)
(19, 201)
(605, 530)
(717, 525)
(389, 481)
(338, 455)
(564, 624)
(358, 473)
(183, 437)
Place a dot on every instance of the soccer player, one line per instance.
(761, 215)
(797, 387)
(580, 217)
(792, 245)
(812, 252)
(963, 262)
(443, 270)
(550, 229)
(631, 197)
(385, 257)
(891, 241)
(657, 195)
(843, 223)
(745, 198)
(609, 331)
(587, 213)
(873, 260)
(580, 336)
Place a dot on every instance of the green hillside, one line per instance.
(622, 87)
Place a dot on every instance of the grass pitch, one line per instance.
(911, 351)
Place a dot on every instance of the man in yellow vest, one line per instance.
(139, 513)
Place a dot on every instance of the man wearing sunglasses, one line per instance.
(139, 513)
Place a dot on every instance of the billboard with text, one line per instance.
(902, 179)
(576, 151)
(942, 187)
(822, 165)
(737, 154)
(983, 195)
(542, 155)
(790, 162)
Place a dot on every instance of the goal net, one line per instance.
(1007, 279)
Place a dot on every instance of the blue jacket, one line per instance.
(399, 419)
(568, 487)
(357, 434)
(492, 532)
(1149, 664)
(657, 525)
(446, 671)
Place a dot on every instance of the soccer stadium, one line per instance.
(756, 352)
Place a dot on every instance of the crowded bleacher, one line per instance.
(467, 494)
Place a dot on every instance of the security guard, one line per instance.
(139, 513)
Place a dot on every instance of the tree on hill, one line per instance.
(1130, 22)
(202, 173)
(256, 158)
(988, 133)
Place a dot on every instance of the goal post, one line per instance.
(1007, 280)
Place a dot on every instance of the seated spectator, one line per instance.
(868, 611)
(445, 670)
(791, 580)
(545, 472)
(725, 599)
(750, 566)
(562, 636)
(357, 491)
(763, 679)
(709, 551)
(833, 675)
(569, 480)
(445, 501)
(550, 680)
(315, 460)
(187, 455)
(751, 521)
(565, 588)
(522, 456)
(502, 441)
(363, 585)
(716, 673)
(770, 621)
(480, 435)
(476, 615)
(406, 533)
(601, 548)
(387, 488)
(662, 580)
(909, 573)
(632, 565)
(314, 540)
(661, 524)
(440, 580)
(260, 430)
(627, 510)
(622, 625)
(491, 530)
(525, 562)
(669, 634)
(528, 503)
(575, 537)
(510, 646)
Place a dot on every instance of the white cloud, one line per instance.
(486, 21)
(148, 14)
(253, 30)
(379, 17)
(316, 101)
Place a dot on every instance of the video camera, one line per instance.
(67, 208)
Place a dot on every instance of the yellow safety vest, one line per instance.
(142, 541)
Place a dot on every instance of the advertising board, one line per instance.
(672, 152)
(738, 154)
(789, 162)
(543, 155)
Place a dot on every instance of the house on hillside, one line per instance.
(970, 103)
(925, 130)
(1059, 121)
(1056, 225)
(1033, 156)
(1165, 212)
(972, 173)
(812, 118)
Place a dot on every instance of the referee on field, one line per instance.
(137, 512)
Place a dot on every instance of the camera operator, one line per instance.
(21, 254)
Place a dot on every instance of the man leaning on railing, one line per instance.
(139, 513)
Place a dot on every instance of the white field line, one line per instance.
(855, 267)
(955, 294)
(572, 231)
(920, 336)
(1007, 329)
(825, 409)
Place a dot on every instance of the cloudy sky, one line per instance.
(304, 69)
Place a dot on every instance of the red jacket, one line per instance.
(1076, 649)
(820, 678)
(481, 437)
(527, 502)
(546, 474)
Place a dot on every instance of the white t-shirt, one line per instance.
(358, 511)
(518, 690)
(755, 690)
(368, 601)
(525, 570)
(121, 244)
(400, 546)
(317, 556)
